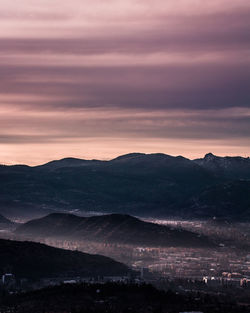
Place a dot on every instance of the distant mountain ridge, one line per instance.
(111, 228)
(130, 158)
(35, 260)
(208, 160)
(231, 167)
(67, 162)
(136, 184)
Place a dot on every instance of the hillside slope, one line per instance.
(113, 228)
(230, 167)
(35, 260)
(136, 184)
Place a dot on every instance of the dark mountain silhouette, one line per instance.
(136, 184)
(128, 156)
(68, 162)
(113, 228)
(123, 298)
(34, 260)
(231, 167)
(224, 200)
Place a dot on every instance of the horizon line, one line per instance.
(121, 155)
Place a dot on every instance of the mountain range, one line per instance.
(34, 260)
(140, 184)
(111, 228)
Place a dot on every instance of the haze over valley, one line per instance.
(138, 218)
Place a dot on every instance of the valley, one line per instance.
(138, 219)
(225, 263)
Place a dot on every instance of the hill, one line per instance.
(230, 167)
(122, 298)
(67, 162)
(113, 228)
(225, 200)
(35, 260)
(137, 184)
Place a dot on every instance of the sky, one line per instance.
(97, 79)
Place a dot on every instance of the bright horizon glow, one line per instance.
(41, 156)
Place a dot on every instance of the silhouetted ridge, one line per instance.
(111, 228)
(230, 167)
(139, 184)
(128, 156)
(123, 298)
(153, 157)
(35, 260)
(67, 162)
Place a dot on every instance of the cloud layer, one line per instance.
(96, 79)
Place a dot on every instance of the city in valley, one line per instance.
(223, 268)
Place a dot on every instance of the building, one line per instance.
(8, 281)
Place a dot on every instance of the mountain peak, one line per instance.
(128, 156)
(67, 162)
(210, 156)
